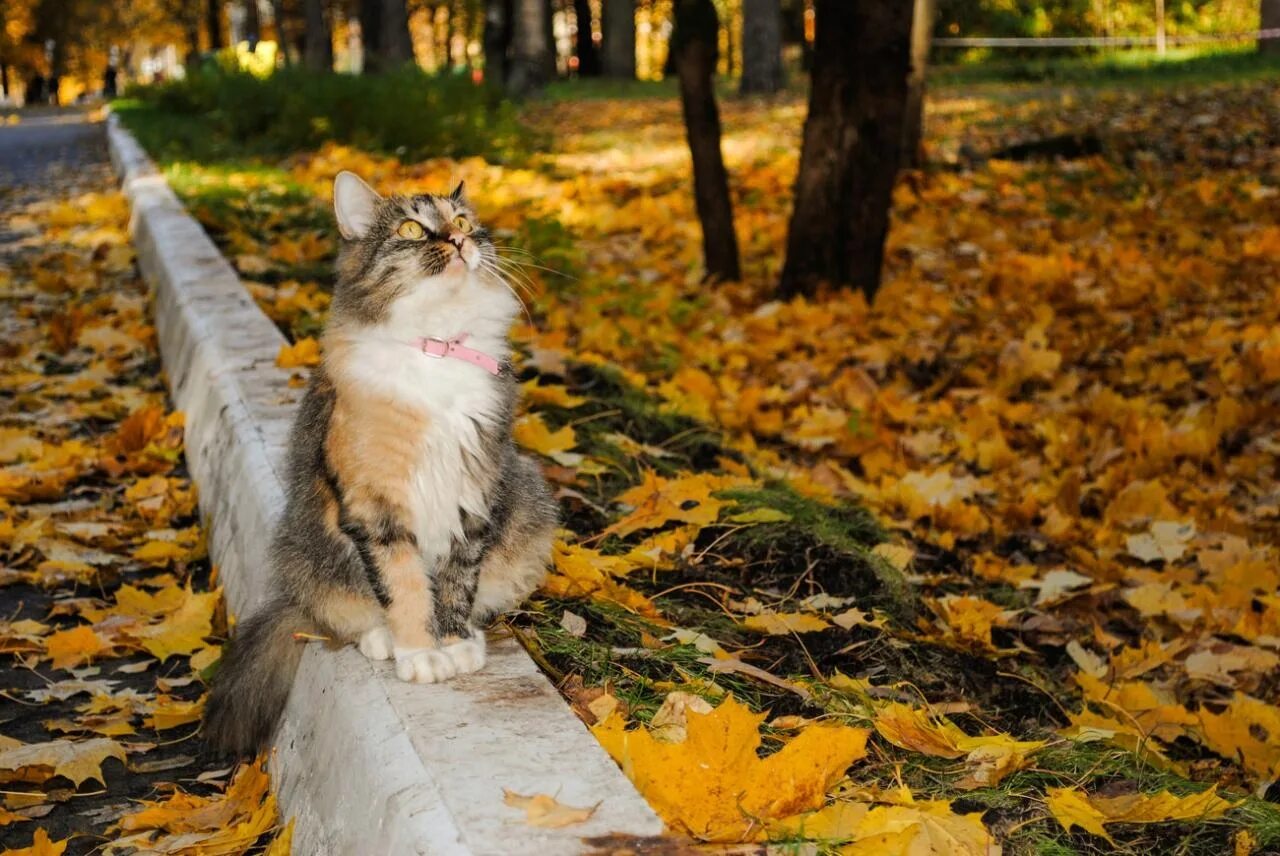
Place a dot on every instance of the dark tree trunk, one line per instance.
(318, 50)
(793, 31)
(371, 35)
(4, 79)
(497, 40)
(282, 37)
(213, 23)
(531, 55)
(585, 47)
(694, 46)
(852, 144)
(1270, 20)
(618, 32)
(395, 45)
(913, 118)
(191, 30)
(252, 23)
(761, 47)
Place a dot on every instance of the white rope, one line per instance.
(1100, 41)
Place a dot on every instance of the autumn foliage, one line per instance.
(987, 563)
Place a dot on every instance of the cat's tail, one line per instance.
(254, 678)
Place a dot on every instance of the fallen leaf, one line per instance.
(714, 787)
(76, 760)
(545, 811)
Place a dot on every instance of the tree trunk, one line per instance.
(913, 118)
(318, 51)
(1270, 21)
(252, 23)
(695, 49)
(852, 144)
(282, 39)
(618, 28)
(395, 44)
(761, 47)
(588, 56)
(213, 23)
(497, 40)
(531, 56)
(371, 35)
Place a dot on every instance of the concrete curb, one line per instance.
(366, 763)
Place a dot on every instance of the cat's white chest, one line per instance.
(459, 402)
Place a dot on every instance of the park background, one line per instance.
(956, 507)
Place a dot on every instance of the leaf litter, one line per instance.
(1036, 474)
(110, 619)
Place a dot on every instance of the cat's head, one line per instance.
(409, 254)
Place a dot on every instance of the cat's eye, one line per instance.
(462, 223)
(411, 229)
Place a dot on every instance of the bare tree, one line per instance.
(761, 47)
(497, 39)
(618, 29)
(694, 45)
(852, 145)
(395, 45)
(318, 50)
(584, 45)
(213, 23)
(913, 120)
(531, 59)
(1270, 20)
(371, 34)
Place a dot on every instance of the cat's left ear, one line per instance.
(354, 203)
(459, 192)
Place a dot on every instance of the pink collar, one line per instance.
(441, 348)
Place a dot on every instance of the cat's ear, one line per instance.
(354, 203)
(458, 192)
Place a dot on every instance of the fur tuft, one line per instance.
(253, 681)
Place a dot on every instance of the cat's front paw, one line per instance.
(424, 665)
(467, 654)
(376, 643)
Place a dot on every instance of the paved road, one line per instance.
(51, 154)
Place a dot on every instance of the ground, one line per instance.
(97, 522)
(988, 559)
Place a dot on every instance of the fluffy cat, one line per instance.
(411, 519)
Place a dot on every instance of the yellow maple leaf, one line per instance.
(781, 623)
(714, 787)
(657, 501)
(1248, 731)
(926, 828)
(1072, 807)
(533, 433)
(554, 395)
(76, 759)
(41, 845)
(545, 811)
(169, 713)
(68, 648)
(302, 353)
(988, 758)
(222, 823)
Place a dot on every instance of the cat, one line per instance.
(411, 518)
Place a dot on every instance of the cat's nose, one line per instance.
(457, 239)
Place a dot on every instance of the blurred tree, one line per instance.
(913, 120)
(213, 24)
(384, 34)
(852, 145)
(497, 39)
(252, 26)
(761, 47)
(1269, 14)
(532, 60)
(318, 36)
(694, 46)
(618, 28)
(584, 45)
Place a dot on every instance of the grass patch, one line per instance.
(216, 114)
(1138, 68)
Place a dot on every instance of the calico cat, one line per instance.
(411, 517)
